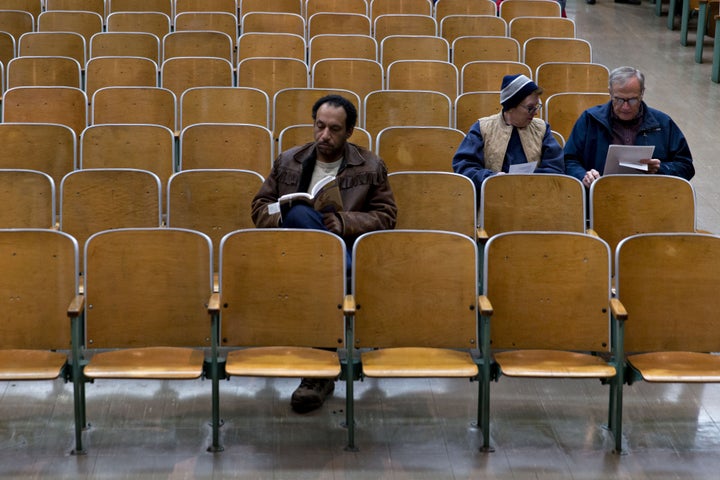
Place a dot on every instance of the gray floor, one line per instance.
(409, 429)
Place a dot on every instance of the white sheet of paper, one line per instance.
(626, 158)
(527, 167)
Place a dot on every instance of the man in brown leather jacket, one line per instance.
(368, 202)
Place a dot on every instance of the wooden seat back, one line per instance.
(454, 26)
(224, 105)
(388, 108)
(418, 148)
(386, 25)
(472, 106)
(473, 48)
(102, 199)
(180, 73)
(128, 44)
(341, 46)
(63, 105)
(525, 28)
(563, 109)
(227, 146)
(62, 44)
(529, 8)
(106, 71)
(443, 8)
(435, 201)
(527, 202)
(44, 147)
(141, 105)
(406, 303)
(358, 75)
(43, 71)
(336, 23)
(295, 135)
(154, 22)
(538, 50)
(413, 47)
(284, 305)
(487, 75)
(626, 205)
(559, 77)
(215, 202)
(433, 75)
(198, 43)
(29, 197)
(39, 281)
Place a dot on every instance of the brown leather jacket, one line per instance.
(367, 198)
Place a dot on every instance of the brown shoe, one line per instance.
(311, 394)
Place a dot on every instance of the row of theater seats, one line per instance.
(217, 201)
(232, 105)
(148, 310)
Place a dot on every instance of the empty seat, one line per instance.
(29, 199)
(144, 105)
(486, 76)
(388, 108)
(224, 105)
(104, 72)
(475, 48)
(271, 74)
(418, 148)
(44, 71)
(129, 44)
(63, 105)
(335, 23)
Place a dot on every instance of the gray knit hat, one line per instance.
(515, 88)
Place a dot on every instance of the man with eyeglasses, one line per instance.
(626, 120)
(511, 137)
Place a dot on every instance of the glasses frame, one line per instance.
(619, 101)
(533, 109)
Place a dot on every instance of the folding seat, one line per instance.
(213, 21)
(335, 6)
(341, 46)
(144, 312)
(29, 199)
(418, 148)
(44, 71)
(125, 44)
(563, 109)
(272, 74)
(403, 7)
(434, 75)
(48, 44)
(433, 200)
(153, 22)
(86, 24)
(487, 75)
(39, 285)
(529, 8)
(180, 73)
(273, 22)
(44, 147)
(336, 23)
(472, 106)
(454, 26)
(388, 108)
(142, 105)
(413, 47)
(559, 77)
(360, 76)
(224, 105)
(262, 44)
(410, 319)
(212, 201)
(546, 312)
(197, 43)
(63, 105)
(386, 25)
(142, 147)
(108, 71)
(286, 6)
(524, 28)
(478, 48)
(266, 332)
(539, 50)
(443, 8)
(238, 146)
(101, 199)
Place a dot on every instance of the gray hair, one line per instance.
(621, 75)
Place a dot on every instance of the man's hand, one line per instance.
(333, 223)
(590, 177)
(653, 164)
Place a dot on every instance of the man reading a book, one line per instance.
(367, 200)
(626, 120)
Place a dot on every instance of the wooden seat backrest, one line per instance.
(224, 105)
(406, 303)
(29, 199)
(435, 201)
(418, 148)
(285, 305)
(525, 202)
(389, 108)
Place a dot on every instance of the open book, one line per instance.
(324, 197)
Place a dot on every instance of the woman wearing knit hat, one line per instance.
(513, 136)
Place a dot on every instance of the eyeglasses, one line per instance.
(619, 102)
(533, 108)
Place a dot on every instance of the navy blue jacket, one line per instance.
(587, 146)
